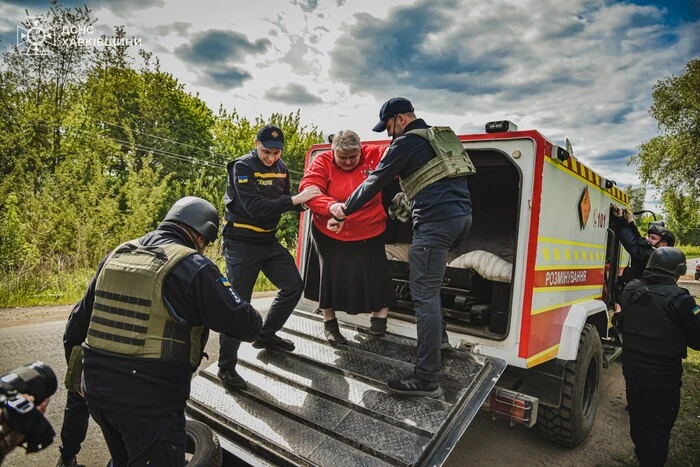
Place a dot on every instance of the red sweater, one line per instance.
(337, 184)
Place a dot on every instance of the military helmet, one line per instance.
(198, 213)
(669, 260)
(664, 233)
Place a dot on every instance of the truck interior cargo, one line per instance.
(476, 292)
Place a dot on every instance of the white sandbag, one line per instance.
(397, 251)
(487, 265)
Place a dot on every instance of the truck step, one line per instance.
(610, 354)
(324, 405)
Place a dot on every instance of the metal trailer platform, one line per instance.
(328, 406)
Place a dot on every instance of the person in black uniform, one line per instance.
(144, 321)
(659, 320)
(639, 248)
(257, 193)
(441, 214)
(74, 428)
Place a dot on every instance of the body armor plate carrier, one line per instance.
(451, 160)
(130, 316)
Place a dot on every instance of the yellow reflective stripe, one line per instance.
(554, 288)
(562, 305)
(269, 175)
(566, 266)
(569, 242)
(543, 356)
(252, 227)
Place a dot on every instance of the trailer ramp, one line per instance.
(328, 406)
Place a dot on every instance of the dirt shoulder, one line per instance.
(22, 316)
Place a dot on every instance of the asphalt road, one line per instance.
(486, 443)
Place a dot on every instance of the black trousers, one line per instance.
(244, 261)
(653, 408)
(143, 440)
(75, 424)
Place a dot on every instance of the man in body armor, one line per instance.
(145, 319)
(659, 320)
(639, 248)
(432, 165)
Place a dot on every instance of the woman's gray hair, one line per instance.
(346, 141)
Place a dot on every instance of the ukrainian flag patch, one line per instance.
(696, 310)
(242, 179)
(232, 293)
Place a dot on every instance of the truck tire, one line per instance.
(203, 445)
(572, 422)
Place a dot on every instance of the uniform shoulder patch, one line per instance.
(242, 179)
(696, 310)
(232, 293)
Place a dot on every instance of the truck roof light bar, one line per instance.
(559, 153)
(501, 126)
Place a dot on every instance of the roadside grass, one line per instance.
(691, 251)
(44, 288)
(65, 288)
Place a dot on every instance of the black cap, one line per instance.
(271, 137)
(391, 108)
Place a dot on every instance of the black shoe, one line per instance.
(377, 326)
(445, 342)
(414, 386)
(273, 342)
(232, 380)
(72, 462)
(332, 332)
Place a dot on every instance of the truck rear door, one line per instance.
(327, 406)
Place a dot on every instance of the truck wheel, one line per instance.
(202, 445)
(572, 422)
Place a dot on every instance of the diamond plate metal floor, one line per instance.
(327, 406)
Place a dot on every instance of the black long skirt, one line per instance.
(354, 276)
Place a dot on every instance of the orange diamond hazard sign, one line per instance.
(584, 207)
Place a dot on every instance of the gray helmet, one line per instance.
(198, 213)
(664, 233)
(669, 260)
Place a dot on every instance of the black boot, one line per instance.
(332, 332)
(377, 326)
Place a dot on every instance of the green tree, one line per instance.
(682, 216)
(671, 161)
(637, 196)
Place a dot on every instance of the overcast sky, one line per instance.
(582, 69)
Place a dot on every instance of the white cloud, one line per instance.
(582, 69)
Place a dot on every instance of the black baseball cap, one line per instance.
(391, 108)
(271, 137)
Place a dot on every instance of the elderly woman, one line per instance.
(355, 274)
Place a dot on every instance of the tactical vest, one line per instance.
(129, 315)
(647, 328)
(451, 160)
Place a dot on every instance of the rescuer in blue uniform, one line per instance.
(441, 215)
(145, 319)
(257, 194)
(659, 322)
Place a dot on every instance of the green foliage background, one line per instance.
(94, 150)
